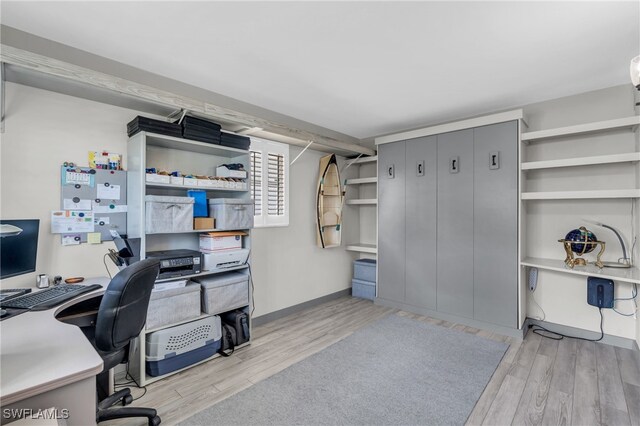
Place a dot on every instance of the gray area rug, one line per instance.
(395, 371)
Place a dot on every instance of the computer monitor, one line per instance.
(18, 246)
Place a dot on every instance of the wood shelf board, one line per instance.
(582, 161)
(630, 275)
(582, 129)
(170, 142)
(362, 201)
(204, 188)
(576, 195)
(363, 248)
(360, 181)
(203, 274)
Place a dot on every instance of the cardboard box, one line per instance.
(204, 223)
(221, 241)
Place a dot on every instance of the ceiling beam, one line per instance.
(63, 69)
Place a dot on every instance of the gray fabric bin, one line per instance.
(168, 214)
(224, 292)
(363, 289)
(365, 270)
(231, 213)
(174, 305)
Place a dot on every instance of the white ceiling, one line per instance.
(360, 68)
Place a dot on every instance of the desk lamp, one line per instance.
(624, 261)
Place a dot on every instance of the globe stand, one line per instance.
(572, 261)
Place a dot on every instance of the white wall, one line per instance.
(43, 129)
(563, 296)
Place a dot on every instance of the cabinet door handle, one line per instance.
(494, 160)
(454, 164)
(390, 172)
(420, 168)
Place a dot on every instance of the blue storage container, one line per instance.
(175, 362)
(363, 289)
(200, 207)
(365, 270)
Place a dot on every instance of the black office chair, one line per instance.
(121, 316)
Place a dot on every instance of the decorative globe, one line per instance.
(581, 236)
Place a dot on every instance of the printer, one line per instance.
(220, 260)
(177, 263)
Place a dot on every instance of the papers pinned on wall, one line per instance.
(71, 221)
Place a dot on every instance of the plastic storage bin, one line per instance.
(224, 292)
(200, 206)
(231, 213)
(365, 270)
(177, 347)
(174, 305)
(168, 214)
(363, 289)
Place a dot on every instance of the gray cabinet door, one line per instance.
(496, 224)
(391, 221)
(455, 223)
(421, 221)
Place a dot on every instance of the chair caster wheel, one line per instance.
(128, 399)
(154, 421)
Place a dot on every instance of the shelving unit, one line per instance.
(364, 184)
(630, 275)
(561, 175)
(171, 153)
(362, 201)
(626, 123)
(629, 157)
(577, 195)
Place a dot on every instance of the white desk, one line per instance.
(46, 363)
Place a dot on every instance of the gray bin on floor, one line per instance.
(363, 289)
(175, 305)
(224, 292)
(364, 269)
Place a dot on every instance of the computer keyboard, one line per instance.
(49, 298)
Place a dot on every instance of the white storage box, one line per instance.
(231, 213)
(220, 260)
(155, 178)
(223, 171)
(221, 241)
(224, 292)
(168, 214)
(190, 181)
(177, 180)
(173, 305)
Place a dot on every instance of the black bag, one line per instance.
(240, 323)
(228, 340)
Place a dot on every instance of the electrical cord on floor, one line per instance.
(130, 381)
(541, 331)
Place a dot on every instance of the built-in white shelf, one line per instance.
(170, 142)
(577, 195)
(628, 157)
(204, 188)
(363, 160)
(630, 275)
(362, 201)
(203, 274)
(597, 127)
(360, 181)
(363, 248)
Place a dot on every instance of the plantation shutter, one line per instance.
(256, 181)
(276, 187)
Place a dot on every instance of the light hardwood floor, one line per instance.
(539, 381)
